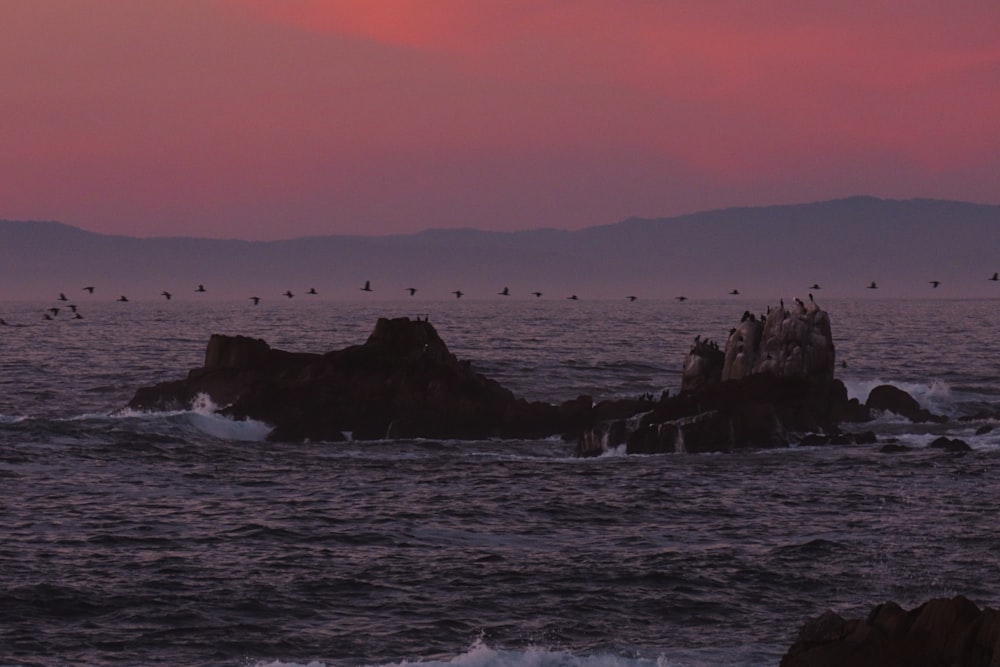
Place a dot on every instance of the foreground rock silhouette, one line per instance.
(942, 632)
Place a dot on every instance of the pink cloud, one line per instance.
(265, 117)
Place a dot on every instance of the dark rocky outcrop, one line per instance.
(770, 385)
(955, 445)
(773, 379)
(887, 398)
(403, 382)
(942, 632)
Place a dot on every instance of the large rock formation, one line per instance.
(403, 382)
(774, 378)
(943, 632)
(795, 343)
(772, 382)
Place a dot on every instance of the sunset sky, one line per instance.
(268, 119)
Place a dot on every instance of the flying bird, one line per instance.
(538, 295)
(815, 286)
(201, 288)
(255, 299)
(89, 288)
(122, 298)
(167, 295)
(996, 277)
(71, 306)
(367, 287)
(572, 297)
(54, 311)
(873, 285)
(735, 291)
(504, 292)
(935, 283)
(62, 297)
(289, 294)
(458, 293)
(312, 290)
(77, 316)
(411, 290)
(631, 298)
(681, 298)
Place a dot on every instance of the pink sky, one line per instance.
(266, 119)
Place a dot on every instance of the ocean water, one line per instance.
(186, 539)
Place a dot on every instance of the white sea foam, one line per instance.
(204, 417)
(225, 428)
(481, 655)
(935, 396)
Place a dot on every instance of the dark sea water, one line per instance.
(185, 539)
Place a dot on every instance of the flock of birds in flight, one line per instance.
(53, 312)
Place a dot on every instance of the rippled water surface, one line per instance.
(185, 539)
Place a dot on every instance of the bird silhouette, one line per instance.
(71, 306)
(935, 283)
(54, 311)
(504, 292)
(255, 299)
(681, 298)
(572, 297)
(995, 278)
(411, 290)
(312, 290)
(77, 316)
(631, 298)
(458, 293)
(62, 297)
(872, 285)
(735, 291)
(89, 288)
(815, 286)
(201, 288)
(289, 294)
(167, 295)
(538, 295)
(367, 287)
(122, 298)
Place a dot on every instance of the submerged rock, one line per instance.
(887, 398)
(954, 445)
(942, 631)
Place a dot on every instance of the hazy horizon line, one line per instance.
(431, 230)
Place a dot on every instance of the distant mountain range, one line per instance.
(764, 252)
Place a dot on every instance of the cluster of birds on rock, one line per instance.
(53, 312)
